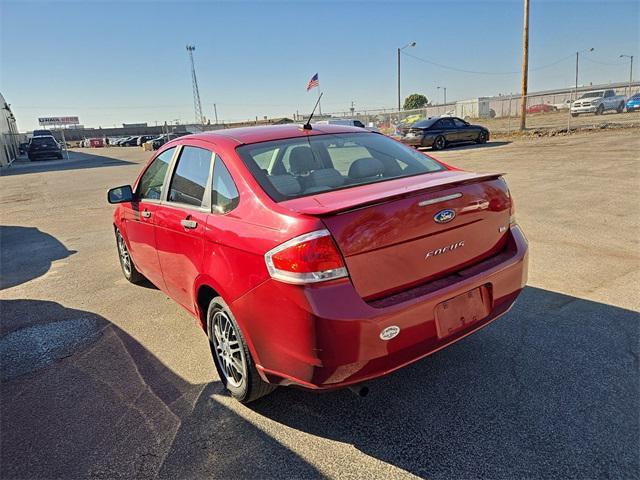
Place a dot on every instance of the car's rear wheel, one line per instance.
(231, 355)
(620, 107)
(439, 143)
(482, 137)
(128, 268)
(574, 114)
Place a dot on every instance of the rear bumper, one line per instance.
(412, 141)
(326, 336)
(44, 154)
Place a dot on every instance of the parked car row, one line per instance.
(596, 102)
(139, 140)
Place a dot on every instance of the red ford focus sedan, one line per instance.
(319, 257)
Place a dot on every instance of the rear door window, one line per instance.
(150, 185)
(191, 176)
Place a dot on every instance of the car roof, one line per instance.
(246, 135)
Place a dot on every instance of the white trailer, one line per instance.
(473, 108)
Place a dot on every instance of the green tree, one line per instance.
(414, 101)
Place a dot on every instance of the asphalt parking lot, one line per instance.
(104, 379)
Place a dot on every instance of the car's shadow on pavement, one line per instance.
(468, 146)
(551, 390)
(27, 253)
(76, 160)
(548, 391)
(113, 410)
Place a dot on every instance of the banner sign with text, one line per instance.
(48, 121)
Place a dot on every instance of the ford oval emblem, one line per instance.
(444, 216)
(389, 332)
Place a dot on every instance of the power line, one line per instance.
(605, 63)
(478, 72)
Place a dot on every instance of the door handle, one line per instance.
(146, 213)
(189, 223)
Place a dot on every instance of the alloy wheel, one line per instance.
(125, 258)
(228, 351)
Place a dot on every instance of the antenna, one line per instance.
(196, 93)
(307, 126)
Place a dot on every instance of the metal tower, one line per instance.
(197, 106)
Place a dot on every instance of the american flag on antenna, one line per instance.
(314, 82)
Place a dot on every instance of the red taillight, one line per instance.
(312, 257)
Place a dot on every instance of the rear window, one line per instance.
(426, 123)
(297, 167)
(43, 141)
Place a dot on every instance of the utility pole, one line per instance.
(525, 67)
(630, 71)
(197, 105)
(215, 112)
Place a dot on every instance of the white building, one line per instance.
(9, 136)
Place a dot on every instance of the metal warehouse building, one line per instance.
(9, 136)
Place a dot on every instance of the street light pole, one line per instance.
(630, 70)
(411, 44)
(577, 61)
(444, 90)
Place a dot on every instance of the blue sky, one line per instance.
(120, 62)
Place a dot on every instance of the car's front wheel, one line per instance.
(439, 143)
(231, 355)
(600, 110)
(128, 268)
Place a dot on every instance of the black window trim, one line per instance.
(164, 181)
(206, 201)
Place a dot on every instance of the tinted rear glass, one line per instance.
(425, 123)
(298, 167)
(43, 141)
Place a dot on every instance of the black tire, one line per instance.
(620, 108)
(439, 143)
(574, 114)
(128, 270)
(250, 386)
(482, 137)
(59, 156)
(600, 109)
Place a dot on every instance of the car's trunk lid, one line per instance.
(406, 234)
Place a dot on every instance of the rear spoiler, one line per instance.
(335, 202)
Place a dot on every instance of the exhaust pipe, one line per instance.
(359, 390)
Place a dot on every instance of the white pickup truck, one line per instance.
(597, 102)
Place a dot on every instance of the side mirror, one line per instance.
(120, 194)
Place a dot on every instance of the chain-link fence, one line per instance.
(501, 114)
